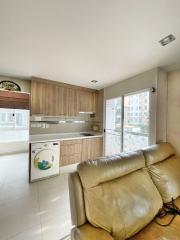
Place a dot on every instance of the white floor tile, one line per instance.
(56, 228)
(60, 182)
(62, 212)
(18, 207)
(13, 191)
(53, 193)
(18, 216)
(30, 234)
(15, 224)
(37, 211)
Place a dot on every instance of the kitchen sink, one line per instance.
(87, 134)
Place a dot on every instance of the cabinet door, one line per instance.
(52, 99)
(67, 101)
(63, 101)
(70, 152)
(60, 103)
(97, 147)
(92, 148)
(72, 102)
(82, 101)
(38, 97)
(87, 101)
(94, 100)
(51, 102)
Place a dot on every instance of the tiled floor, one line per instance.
(39, 211)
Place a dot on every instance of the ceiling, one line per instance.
(76, 41)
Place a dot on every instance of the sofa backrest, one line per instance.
(76, 195)
(164, 168)
(158, 152)
(119, 195)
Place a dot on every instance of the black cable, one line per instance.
(168, 209)
(165, 225)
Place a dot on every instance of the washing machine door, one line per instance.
(44, 159)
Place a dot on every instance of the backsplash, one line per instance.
(46, 125)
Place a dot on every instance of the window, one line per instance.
(136, 133)
(14, 125)
(132, 133)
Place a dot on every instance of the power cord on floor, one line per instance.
(168, 209)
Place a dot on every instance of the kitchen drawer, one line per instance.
(66, 142)
(70, 159)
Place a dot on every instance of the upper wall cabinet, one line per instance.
(87, 101)
(38, 97)
(55, 99)
(67, 101)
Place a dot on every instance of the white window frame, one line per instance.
(152, 117)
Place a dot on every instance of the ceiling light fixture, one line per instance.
(166, 40)
(94, 81)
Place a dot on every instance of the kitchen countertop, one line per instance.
(61, 136)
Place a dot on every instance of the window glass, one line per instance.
(132, 133)
(14, 125)
(136, 128)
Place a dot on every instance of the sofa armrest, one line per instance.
(88, 232)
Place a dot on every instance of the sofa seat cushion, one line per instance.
(88, 232)
(155, 232)
(166, 177)
(123, 206)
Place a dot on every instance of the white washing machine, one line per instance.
(44, 160)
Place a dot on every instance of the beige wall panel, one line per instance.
(173, 119)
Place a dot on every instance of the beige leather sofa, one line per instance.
(118, 197)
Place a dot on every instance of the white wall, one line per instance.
(161, 121)
(142, 81)
(173, 113)
(13, 147)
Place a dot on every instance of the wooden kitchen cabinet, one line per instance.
(51, 98)
(76, 151)
(38, 97)
(70, 102)
(67, 102)
(44, 98)
(87, 101)
(70, 152)
(92, 148)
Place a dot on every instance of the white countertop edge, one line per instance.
(50, 138)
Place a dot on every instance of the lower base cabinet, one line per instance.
(76, 151)
(70, 152)
(91, 148)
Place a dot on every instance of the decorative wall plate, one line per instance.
(9, 85)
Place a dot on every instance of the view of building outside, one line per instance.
(135, 125)
(14, 125)
(136, 121)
